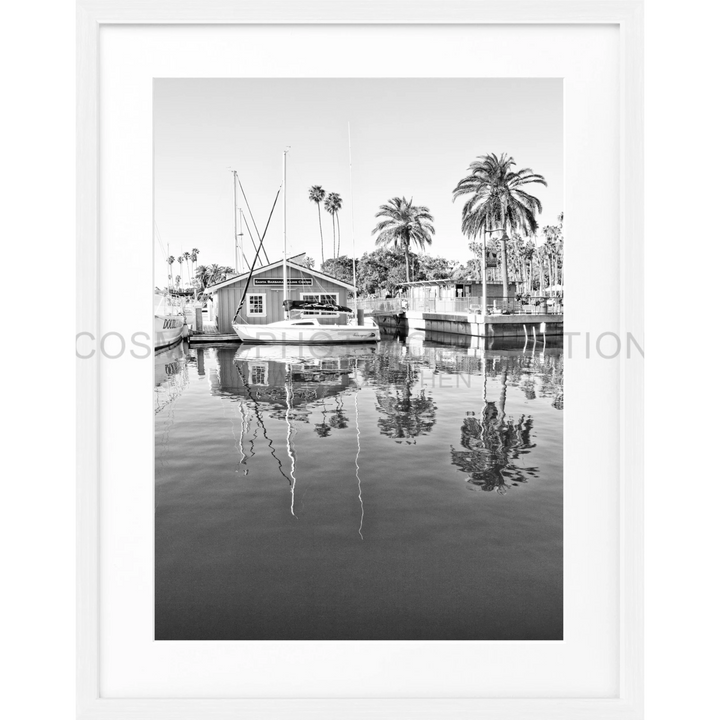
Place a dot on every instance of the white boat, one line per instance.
(307, 331)
(302, 325)
(170, 326)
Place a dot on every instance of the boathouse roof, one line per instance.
(259, 271)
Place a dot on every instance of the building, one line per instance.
(263, 302)
(439, 293)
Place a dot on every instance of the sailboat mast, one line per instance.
(235, 211)
(284, 256)
(352, 220)
(242, 250)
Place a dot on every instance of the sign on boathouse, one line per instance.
(279, 281)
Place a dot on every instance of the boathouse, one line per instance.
(263, 302)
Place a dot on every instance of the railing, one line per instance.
(445, 305)
(495, 306)
(375, 305)
(529, 306)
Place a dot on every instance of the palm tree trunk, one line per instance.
(407, 263)
(333, 222)
(338, 232)
(503, 262)
(503, 393)
(322, 244)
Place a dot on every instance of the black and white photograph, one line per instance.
(358, 383)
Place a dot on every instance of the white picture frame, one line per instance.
(627, 14)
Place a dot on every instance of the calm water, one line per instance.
(408, 491)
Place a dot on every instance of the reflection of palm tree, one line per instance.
(323, 428)
(338, 418)
(492, 445)
(406, 416)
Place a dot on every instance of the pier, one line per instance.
(522, 326)
(213, 338)
(505, 318)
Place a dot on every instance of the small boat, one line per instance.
(170, 326)
(307, 331)
(303, 327)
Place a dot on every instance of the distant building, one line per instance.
(263, 302)
(446, 289)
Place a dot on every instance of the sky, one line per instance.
(409, 137)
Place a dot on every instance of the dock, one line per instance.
(518, 325)
(205, 338)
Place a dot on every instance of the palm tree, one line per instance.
(186, 255)
(404, 224)
(170, 260)
(181, 260)
(200, 273)
(193, 256)
(498, 201)
(337, 203)
(317, 195)
(333, 203)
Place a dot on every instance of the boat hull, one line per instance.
(168, 330)
(288, 334)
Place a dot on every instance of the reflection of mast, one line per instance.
(243, 428)
(357, 456)
(288, 440)
(262, 425)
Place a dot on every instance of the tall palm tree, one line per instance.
(181, 260)
(337, 202)
(333, 204)
(170, 260)
(194, 256)
(317, 195)
(404, 224)
(186, 255)
(498, 201)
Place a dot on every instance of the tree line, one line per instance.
(499, 215)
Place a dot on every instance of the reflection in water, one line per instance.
(171, 375)
(291, 382)
(310, 385)
(330, 504)
(357, 464)
(405, 409)
(493, 445)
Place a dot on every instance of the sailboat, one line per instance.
(302, 325)
(170, 327)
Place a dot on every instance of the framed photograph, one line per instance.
(359, 434)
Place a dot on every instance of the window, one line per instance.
(258, 374)
(256, 305)
(320, 298)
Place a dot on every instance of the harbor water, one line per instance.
(409, 490)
